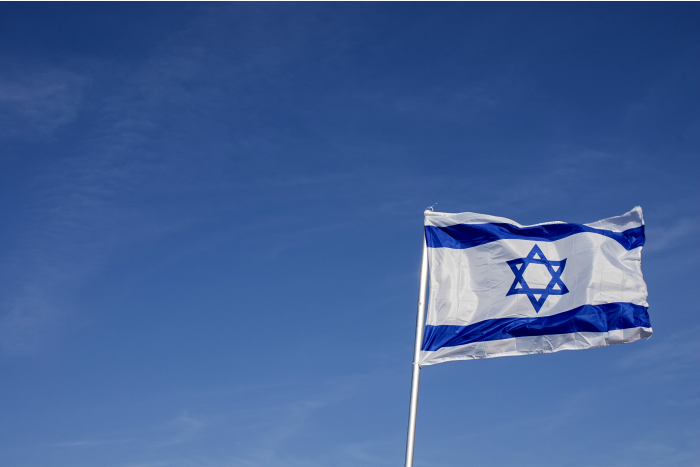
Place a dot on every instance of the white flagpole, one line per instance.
(416, 356)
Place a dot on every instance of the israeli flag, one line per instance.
(498, 288)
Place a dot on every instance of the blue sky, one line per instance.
(212, 214)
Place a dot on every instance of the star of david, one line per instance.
(555, 286)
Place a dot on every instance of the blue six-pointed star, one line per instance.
(555, 268)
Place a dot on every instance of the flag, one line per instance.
(498, 288)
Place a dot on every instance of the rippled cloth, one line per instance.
(499, 288)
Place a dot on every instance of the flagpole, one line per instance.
(413, 407)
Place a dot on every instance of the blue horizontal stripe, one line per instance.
(463, 236)
(586, 318)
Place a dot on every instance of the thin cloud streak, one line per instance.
(36, 101)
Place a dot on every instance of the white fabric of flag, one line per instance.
(499, 288)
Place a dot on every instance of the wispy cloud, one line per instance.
(79, 213)
(183, 429)
(35, 101)
(675, 356)
(259, 435)
(87, 443)
(370, 452)
(662, 237)
(139, 146)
